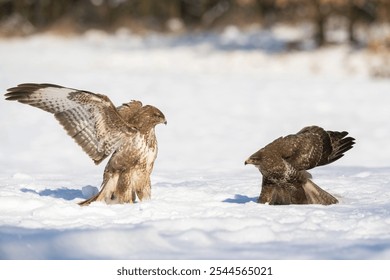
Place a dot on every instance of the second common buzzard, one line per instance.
(283, 164)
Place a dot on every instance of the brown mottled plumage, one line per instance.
(126, 132)
(283, 164)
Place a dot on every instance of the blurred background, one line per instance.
(23, 17)
(361, 23)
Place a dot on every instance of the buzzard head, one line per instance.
(255, 159)
(148, 117)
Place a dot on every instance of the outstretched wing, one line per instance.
(331, 144)
(340, 144)
(90, 119)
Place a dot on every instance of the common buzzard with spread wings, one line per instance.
(283, 164)
(101, 129)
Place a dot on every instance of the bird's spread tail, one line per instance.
(316, 195)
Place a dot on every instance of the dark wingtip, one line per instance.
(9, 96)
(22, 90)
(343, 144)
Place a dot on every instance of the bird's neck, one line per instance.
(146, 129)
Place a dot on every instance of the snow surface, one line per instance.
(225, 96)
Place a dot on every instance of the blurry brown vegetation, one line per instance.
(19, 17)
(23, 17)
(379, 63)
(363, 23)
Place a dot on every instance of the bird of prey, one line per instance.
(283, 164)
(127, 132)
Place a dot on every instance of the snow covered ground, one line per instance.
(225, 96)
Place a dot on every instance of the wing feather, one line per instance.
(129, 110)
(90, 119)
(316, 195)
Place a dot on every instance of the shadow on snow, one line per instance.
(64, 193)
(240, 199)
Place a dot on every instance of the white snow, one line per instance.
(224, 96)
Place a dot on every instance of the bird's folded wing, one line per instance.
(90, 119)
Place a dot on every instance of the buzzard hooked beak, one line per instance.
(250, 161)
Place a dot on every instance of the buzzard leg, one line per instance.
(117, 188)
(145, 192)
(107, 192)
(273, 194)
(287, 193)
(282, 194)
